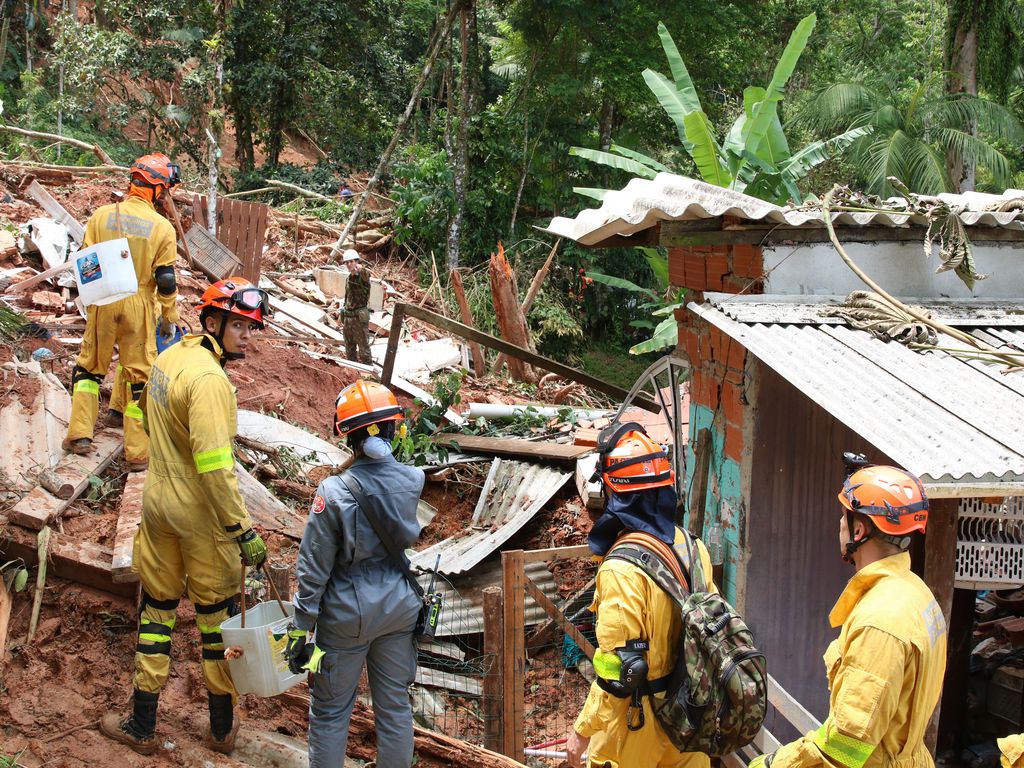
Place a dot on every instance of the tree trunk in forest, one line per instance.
(511, 321)
(460, 169)
(962, 65)
(607, 117)
(385, 159)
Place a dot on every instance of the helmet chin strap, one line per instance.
(853, 544)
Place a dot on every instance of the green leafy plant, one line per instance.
(417, 444)
(755, 156)
(661, 303)
(11, 761)
(14, 574)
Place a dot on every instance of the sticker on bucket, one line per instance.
(89, 268)
(278, 642)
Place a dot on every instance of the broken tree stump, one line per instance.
(511, 320)
(39, 507)
(531, 293)
(479, 361)
(129, 515)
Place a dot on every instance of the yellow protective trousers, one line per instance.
(129, 325)
(172, 543)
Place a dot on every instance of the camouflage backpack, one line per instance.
(717, 693)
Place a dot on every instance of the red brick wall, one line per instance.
(728, 268)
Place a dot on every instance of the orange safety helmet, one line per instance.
(362, 404)
(156, 170)
(893, 498)
(632, 461)
(237, 296)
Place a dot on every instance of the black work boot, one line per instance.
(220, 736)
(114, 419)
(138, 731)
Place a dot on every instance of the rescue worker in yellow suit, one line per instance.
(885, 669)
(128, 324)
(640, 496)
(194, 522)
(1011, 751)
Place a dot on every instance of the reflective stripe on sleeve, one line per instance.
(847, 750)
(218, 458)
(607, 665)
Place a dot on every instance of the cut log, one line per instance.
(129, 515)
(511, 446)
(511, 321)
(40, 507)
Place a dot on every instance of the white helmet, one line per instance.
(351, 254)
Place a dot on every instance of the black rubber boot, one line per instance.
(137, 731)
(223, 726)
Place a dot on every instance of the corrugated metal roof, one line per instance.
(642, 203)
(802, 309)
(948, 420)
(514, 492)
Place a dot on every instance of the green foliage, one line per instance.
(14, 575)
(417, 444)
(423, 198)
(755, 156)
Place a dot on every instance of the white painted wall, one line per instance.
(900, 268)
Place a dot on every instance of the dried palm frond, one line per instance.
(869, 311)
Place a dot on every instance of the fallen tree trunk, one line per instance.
(531, 295)
(94, 148)
(479, 361)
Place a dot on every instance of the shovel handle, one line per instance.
(242, 594)
(273, 587)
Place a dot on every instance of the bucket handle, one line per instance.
(242, 593)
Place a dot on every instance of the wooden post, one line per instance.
(42, 547)
(698, 489)
(479, 362)
(394, 337)
(514, 657)
(280, 574)
(493, 680)
(939, 575)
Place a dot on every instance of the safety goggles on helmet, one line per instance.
(250, 299)
(239, 297)
(156, 170)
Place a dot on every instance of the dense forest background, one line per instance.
(515, 85)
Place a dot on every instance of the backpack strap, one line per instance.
(640, 548)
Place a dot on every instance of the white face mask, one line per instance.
(375, 448)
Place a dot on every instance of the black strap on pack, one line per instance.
(370, 512)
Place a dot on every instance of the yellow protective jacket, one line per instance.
(631, 606)
(151, 241)
(884, 673)
(190, 411)
(1012, 751)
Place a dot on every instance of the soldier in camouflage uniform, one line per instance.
(356, 317)
(636, 619)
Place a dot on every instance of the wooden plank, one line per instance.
(324, 330)
(479, 362)
(129, 514)
(456, 328)
(790, 708)
(493, 636)
(71, 558)
(210, 255)
(5, 616)
(559, 618)
(252, 267)
(698, 488)
(513, 446)
(52, 206)
(554, 554)
(40, 507)
(35, 280)
(449, 681)
(514, 654)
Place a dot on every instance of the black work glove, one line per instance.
(298, 651)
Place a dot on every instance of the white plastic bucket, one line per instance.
(104, 275)
(262, 669)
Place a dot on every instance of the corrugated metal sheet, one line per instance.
(642, 203)
(514, 492)
(943, 418)
(786, 310)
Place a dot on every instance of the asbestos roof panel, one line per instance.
(945, 419)
(514, 492)
(808, 310)
(642, 203)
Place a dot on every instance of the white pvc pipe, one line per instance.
(545, 753)
(498, 411)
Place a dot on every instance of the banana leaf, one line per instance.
(658, 262)
(640, 158)
(666, 334)
(614, 161)
(619, 282)
(595, 193)
(817, 152)
(705, 152)
(667, 95)
(684, 85)
(765, 111)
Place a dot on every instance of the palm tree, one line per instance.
(913, 131)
